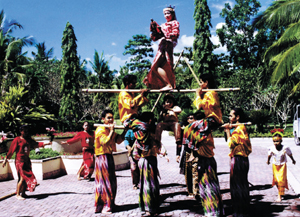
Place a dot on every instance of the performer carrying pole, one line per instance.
(128, 108)
(197, 136)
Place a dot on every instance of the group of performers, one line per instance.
(143, 141)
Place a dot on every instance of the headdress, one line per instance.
(169, 8)
(277, 132)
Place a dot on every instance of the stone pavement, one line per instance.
(65, 196)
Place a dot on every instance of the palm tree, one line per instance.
(12, 60)
(101, 68)
(283, 57)
(42, 54)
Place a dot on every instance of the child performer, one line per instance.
(161, 75)
(279, 152)
(169, 117)
(201, 129)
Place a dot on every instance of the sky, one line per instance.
(106, 25)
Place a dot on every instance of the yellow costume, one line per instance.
(206, 148)
(104, 144)
(211, 105)
(128, 104)
(239, 142)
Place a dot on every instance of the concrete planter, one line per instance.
(42, 169)
(56, 146)
(58, 166)
(72, 163)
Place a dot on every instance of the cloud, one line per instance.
(115, 62)
(216, 41)
(184, 41)
(221, 6)
(88, 59)
(113, 44)
(220, 25)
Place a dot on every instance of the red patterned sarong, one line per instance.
(163, 59)
(88, 163)
(24, 170)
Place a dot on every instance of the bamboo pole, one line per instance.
(7, 196)
(236, 125)
(187, 62)
(160, 95)
(157, 91)
(122, 127)
(106, 125)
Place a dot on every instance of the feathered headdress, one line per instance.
(276, 132)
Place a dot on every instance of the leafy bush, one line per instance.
(44, 153)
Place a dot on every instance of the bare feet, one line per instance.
(166, 88)
(106, 211)
(278, 199)
(135, 187)
(19, 197)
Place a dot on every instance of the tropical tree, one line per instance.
(101, 68)
(139, 48)
(70, 73)
(12, 60)
(238, 35)
(42, 53)
(204, 60)
(283, 56)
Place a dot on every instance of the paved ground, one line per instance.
(65, 196)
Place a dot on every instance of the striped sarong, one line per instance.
(141, 132)
(209, 188)
(105, 183)
(239, 185)
(196, 132)
(280, 178)
(149, 191)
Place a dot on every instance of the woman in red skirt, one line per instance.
(87, 142)
(22, 146)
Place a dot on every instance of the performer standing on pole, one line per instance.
(161, 75)
(129, 106)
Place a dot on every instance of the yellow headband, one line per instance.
(276, 134)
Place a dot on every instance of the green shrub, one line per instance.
(44, 153)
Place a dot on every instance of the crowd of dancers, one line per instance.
(142, 139)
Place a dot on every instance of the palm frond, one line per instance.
(286, 64)
(290, 37)
(280, 13)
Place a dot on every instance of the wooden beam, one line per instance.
(156, 91)
(105, 125)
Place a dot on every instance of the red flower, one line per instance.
(277, 130)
